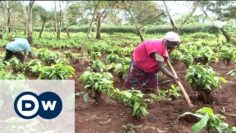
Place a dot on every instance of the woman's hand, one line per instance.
(176, 79)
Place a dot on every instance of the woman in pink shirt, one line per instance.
(148, 59)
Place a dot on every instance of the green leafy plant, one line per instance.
(176, 56)
(212, 123)
(2, 65)
(97, 83)
(47, 56)
(102, 83)
(16, 65)
(112, 58)
(98, 66)
(228, 54)
(68, 54)
(120, 70)
(34, 67)
(132, 99)
(187, 59)
(57, 71)
(4, 75)
(174, 92)
(203, 79)
(205, 55)
(153, 97)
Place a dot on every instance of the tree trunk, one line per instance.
(170, 18)
(195, 5)
(136, 25)
(41, 31)
(227, 37)
(25, 19)
(30, 30)
(56, 20)
(98, 36)
(89, 29)
(8, 20)
(25, 31)
(67, 32)
(59, 21)
(5, 15)
(63, 18)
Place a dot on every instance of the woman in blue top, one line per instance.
(18, 47)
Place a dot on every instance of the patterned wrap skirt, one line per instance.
(138, 79)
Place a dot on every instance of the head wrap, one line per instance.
(172, 36)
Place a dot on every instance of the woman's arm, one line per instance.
(162, 68)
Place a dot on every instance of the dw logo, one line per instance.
(47, 105)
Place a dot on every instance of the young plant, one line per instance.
(153, 97)
(174, 92)
(112, 58)
(47, 56)
(228, 54)
(2, 65)
(4, 75)
(203, 79)
(176, 56)
(98, 66)
(34, 67)
(209, 122)
(16, 65)
(56, 72)
(205, 55)
(132, 99)
(187, 59)
(97, 83)
(121, 70)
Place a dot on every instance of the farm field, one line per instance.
(109, 60)
(102, 48)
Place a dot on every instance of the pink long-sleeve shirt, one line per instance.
(142, 55)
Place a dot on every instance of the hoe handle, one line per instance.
(181, 87)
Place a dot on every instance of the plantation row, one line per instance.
(48, 65)
(146, 29)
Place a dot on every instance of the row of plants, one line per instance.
(204, 53)
(119, 69)
(48, 66)
(61, 44)
(102, 83)
(97, 83)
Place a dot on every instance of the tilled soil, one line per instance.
(111, 117)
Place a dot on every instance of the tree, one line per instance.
(101, 14)
(224, 10)
(144, 17)
(7, 7)
(30, 29)
(59, 16)
(89, 29)
(71, 15)
(174, 26)
(137, 13)
(43, 15)
(25, 18)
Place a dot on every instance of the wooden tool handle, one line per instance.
(181, 86)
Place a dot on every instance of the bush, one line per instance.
(203, 79)
(57, 71)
